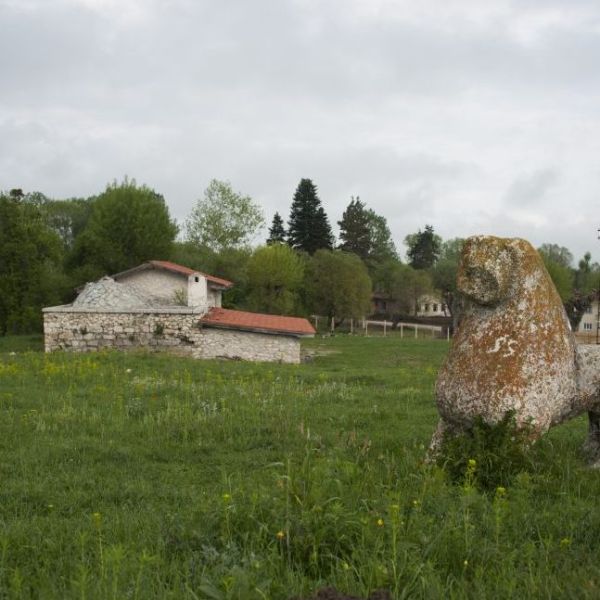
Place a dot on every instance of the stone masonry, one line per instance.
(248, 345)
(176, 329)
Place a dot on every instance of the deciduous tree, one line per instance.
(403, 285)
(30, 264)
(129, 224)
(275, 275)
(223, 218)
(587, 275)
(382, 247)
(338, 285)
(445, 269)
(561, 275)
(557, 254)
(68, 218)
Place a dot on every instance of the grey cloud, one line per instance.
(431, 118)
(531, 189)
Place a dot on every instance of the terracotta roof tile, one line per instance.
(175, 268)
(171, 266)
(238, 319)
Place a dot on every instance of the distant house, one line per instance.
(590, 322)
(427, 306)
(432, 306)
(162, 305)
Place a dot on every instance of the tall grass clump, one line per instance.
(491, 455)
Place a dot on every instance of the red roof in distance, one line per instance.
(239, 319)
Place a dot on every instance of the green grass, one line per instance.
(21, 343)
(149, 476)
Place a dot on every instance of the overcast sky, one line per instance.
(472, 116)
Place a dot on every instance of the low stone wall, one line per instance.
(85, 331)
(176, 330)
(248, 345)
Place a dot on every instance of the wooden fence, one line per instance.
(366, 327)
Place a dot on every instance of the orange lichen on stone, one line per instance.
(514, 350)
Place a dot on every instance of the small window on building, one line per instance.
(435, 308)
(588, 310)
(427, 308)
(196, 279)
(587, 326)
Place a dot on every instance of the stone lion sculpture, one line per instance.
(514, 350)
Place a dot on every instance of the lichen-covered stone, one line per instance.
(514, 350)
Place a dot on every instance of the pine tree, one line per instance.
(308, 226)
(423, 248)
(276, 231)
(355, 233)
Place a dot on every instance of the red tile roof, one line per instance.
(171, 266)
(175, 268)
(238, 319)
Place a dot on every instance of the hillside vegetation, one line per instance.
(149, 476)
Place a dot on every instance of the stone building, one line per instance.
(162, 305)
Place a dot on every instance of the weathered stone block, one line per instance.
(513, 350)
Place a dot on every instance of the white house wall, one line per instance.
(214, 297)
(589, 322)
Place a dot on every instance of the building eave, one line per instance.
(293, 334)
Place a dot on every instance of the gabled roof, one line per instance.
(175, 268)
(261, 323)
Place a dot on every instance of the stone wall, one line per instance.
(248, 345)
(177, 331)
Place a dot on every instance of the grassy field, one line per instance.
(148, 476)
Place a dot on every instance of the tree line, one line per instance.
(49, 247)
